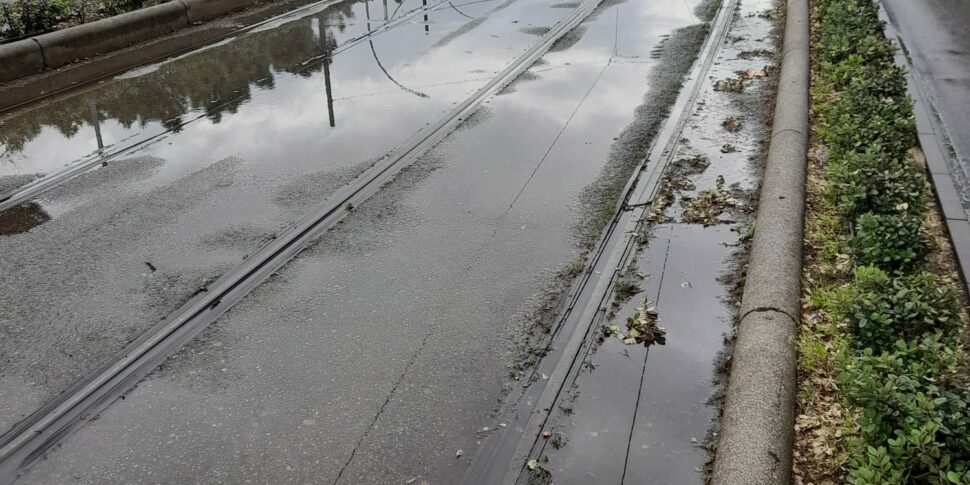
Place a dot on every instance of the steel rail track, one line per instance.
(37, 187)
(30, 438)
(504, 455)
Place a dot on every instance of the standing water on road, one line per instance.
(380, 352)
(121, 247)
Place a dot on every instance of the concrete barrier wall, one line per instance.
(56, 49)
(100, 37)
(202, 10)
(19, 59)
(754, 444)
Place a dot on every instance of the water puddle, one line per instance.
(77, 288)
(642, 412)
(378, 353)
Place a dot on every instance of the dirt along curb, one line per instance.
(39, 66)
(754, 444)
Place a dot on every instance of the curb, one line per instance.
(754, 444)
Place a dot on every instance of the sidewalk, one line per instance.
(936, 52)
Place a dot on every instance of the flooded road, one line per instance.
(126, 244)
(377, 354)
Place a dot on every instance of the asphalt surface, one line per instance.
(375, 355)
(130, 242)
(937, 42)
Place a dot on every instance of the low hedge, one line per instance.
(24, 18)
(904, 373)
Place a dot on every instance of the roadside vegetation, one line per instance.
(24, 18)
(883, 393)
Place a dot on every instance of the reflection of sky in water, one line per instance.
(460, 221)
(254, 98)
(259, 81)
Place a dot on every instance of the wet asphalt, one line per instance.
(937, 41)
(125, 245)
(647, 413)
(377, 353)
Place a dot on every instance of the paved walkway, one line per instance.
(936, 46)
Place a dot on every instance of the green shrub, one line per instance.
(108, 8)
(891, 242)
(887, 309)
(906, 375)
(914, 413)
(31, 17)
(871, 64)
(872, 182)
(844, 24)
(28, 17)
(857, 121)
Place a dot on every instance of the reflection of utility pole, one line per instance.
(96, 123)
(320, 38)
(424, 3)
(326, 79)
(385, 10)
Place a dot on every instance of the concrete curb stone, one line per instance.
(754, 443)
(106, 35)
(19, 59)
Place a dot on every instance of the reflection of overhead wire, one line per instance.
(459, 11)
(472, 2)
(378, 60)
(399, 5)
(435, 85)
(692, 11)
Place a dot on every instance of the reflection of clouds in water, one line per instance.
(217, 79)
(286, 125)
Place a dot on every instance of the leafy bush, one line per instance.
(857, 121)
(914, 407)
(27, 17)
(871, 182)
(108, 8)
(870, 64)
(32, 17)
(889, 241)
(906, 376)
(844, 24)
(887, 309)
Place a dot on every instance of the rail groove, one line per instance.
(30, 438)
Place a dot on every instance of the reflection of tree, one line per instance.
(22, 218)
(217, 81)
